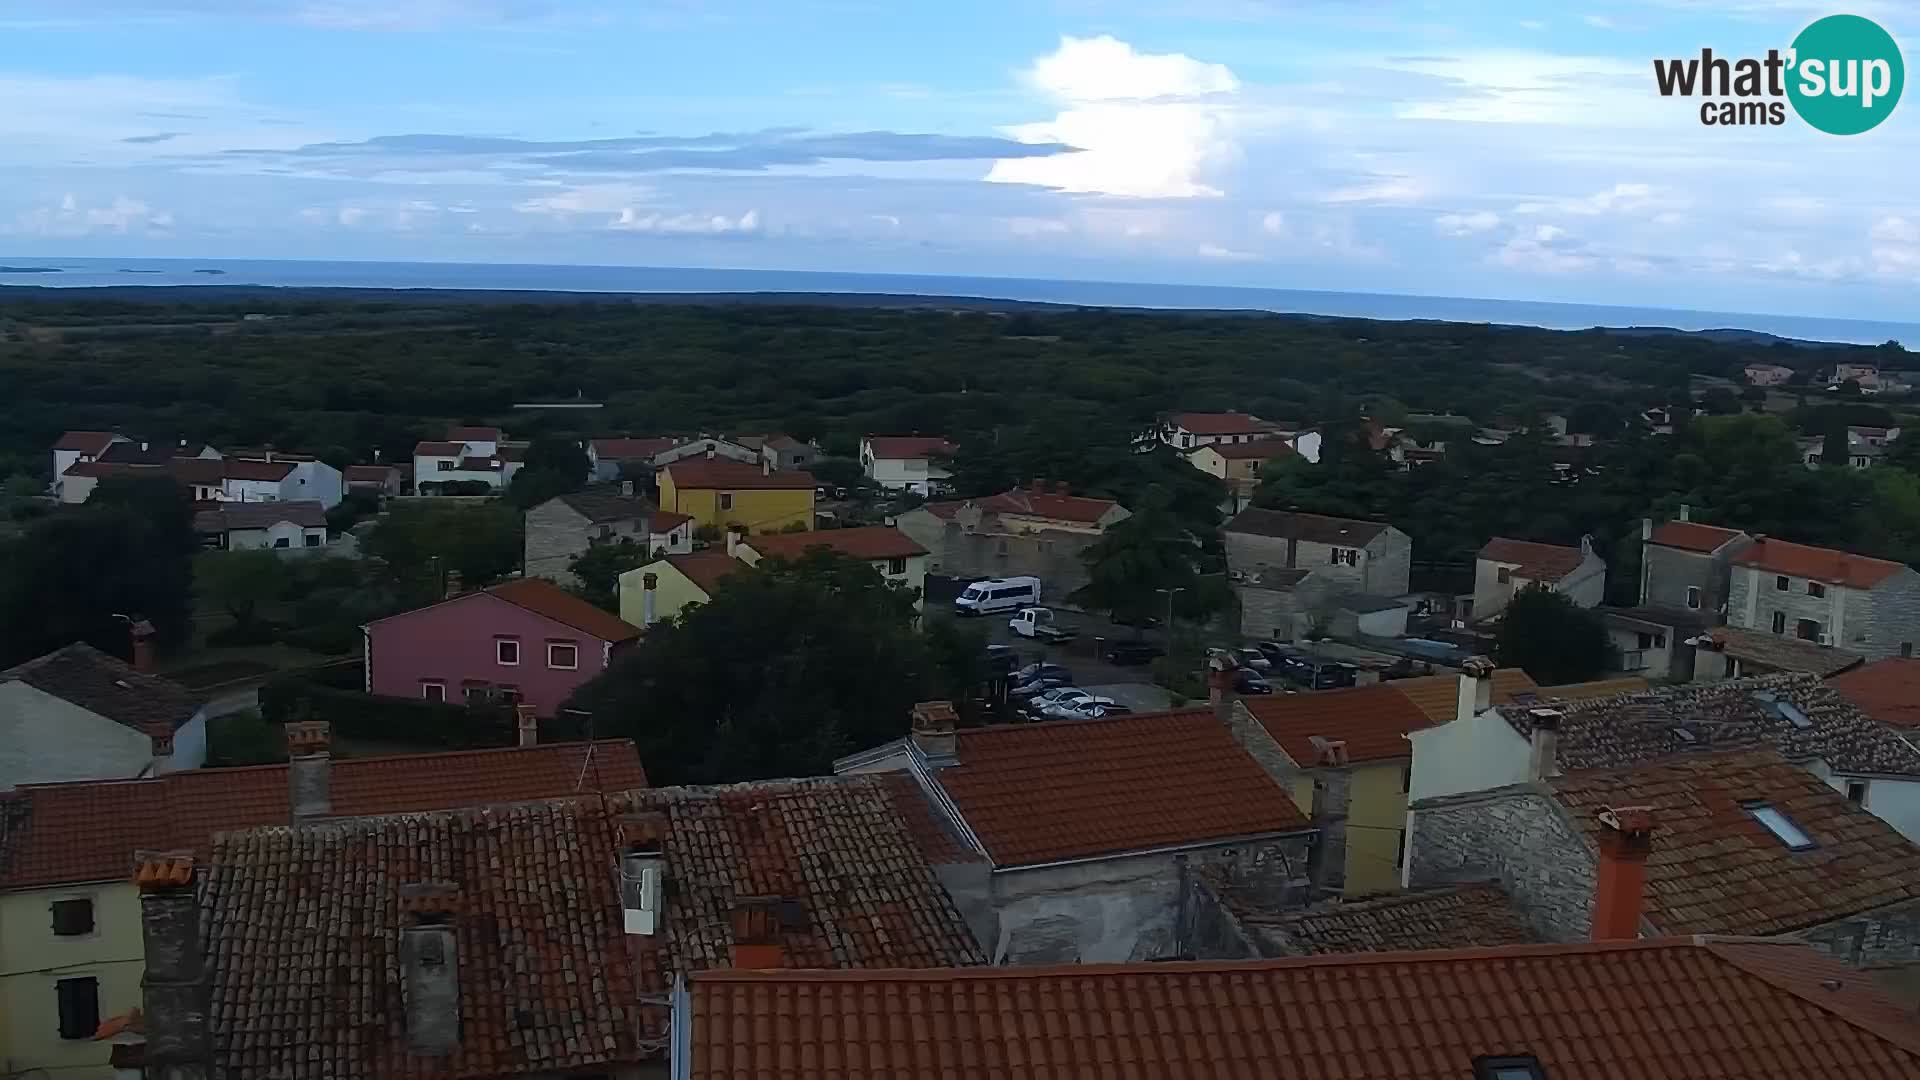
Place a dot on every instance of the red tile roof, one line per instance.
(859, 542)
(1025, 502)
(89, 830)
(907, 447)
(1035, 793)
(473, 434)
(543, 597)
(706, 568)
(1535, 562)
(623, 448)
(1715, 869)
(86, 442)
(1257, 450)
(1887, 690)
(665, 521)
(107, 686)
(227, 516)
(1464, 916)
(1693, 536)
(256, 470)
(438, 449)
(1227, 423)
(1820, 564)
(377, 474)
(1677, 1009)
(1373, 721)
(110, 468)
(700, 473)
(1439, 695)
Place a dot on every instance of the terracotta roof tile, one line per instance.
(370, 474)
(1675, 1009)
(1035, 793)
(224, 517)
(665, 521)
(936, 840)
(1887, 690)
(108, 686)
(1227, 423)
(690, 474)
(1439, 695)
(1373, 721)
(1629, 728)
(706, 568)
(438, 449)
(89, 830)
(1451, 917)
(1598, 688)
(86, 442)
(1256, 450)
(1535, 562)
(255, 470)
(907, 447)
(1314, 528)
(1693, 536)
(1820, 564)
(1782, 653)
(1714, 869)
(606, 504)
(623, 448)
(860, 542)
(543, 597)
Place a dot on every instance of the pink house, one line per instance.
(526, 640)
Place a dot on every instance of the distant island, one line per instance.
(210, 271)
(29, 269)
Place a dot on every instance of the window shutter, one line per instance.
(72, 917)
(79, 1007)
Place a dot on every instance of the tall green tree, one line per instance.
(241, 582)
(552, 467)
(422, 542)
(599, 568)
(1552, 639)
(1142, 559)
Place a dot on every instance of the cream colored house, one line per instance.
(892, 553)
(666, 586)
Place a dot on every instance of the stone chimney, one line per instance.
(1476, 688)
(1626, 835)
(736, 534)
(527, 724)
(309, 787)
(1220, 692)
(174, 990)
(1686, 512)
(1544, 744)
(649, 596)
(931, 735)
(453, 584)
(626, 489)
(143, 646)
(1332, 796)
(430, 966)
(755, 921)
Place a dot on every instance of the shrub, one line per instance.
(244, 738)
(353, 714)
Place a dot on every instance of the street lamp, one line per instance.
(1169, 595)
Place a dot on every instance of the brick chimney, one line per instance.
(430, 966)
(931, 734)
(527, 724)
(649, 596)
(174, 989)
(1544, 744)
(309, 787)
(143, 647)
(1220, 692)
(1626, 835)
(1476, 688)
(755, 921)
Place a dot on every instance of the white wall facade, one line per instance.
(281, 535)
(1472, 754)
(917, 475)
(45, 739)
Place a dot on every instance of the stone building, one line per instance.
(1504, 567)
(1039, 529)
(565, 526)
(1826, 597)
(1289, 569)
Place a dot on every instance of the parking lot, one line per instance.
(1078, 656)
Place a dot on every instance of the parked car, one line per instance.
(1129, 653)
(1063, 705)
(1288, 663)
(1034, 678)
(1331, 675)
(1249, 681)
(1252, 658)
(1088, 710)
(1039, 624)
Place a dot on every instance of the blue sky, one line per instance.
(1500, 149)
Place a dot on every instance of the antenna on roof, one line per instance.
(588, 762)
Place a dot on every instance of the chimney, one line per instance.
(1037, 485)
(1220, 692)
(143, 647)
(174, 992)
(756, 933)
(931, 734)
(1544, 744)
(143, 446)
(649, 590)
(1476, 688)
(1646, 529)
(1626, 835)
(1060, 487)
(766, 467)
(1686, 512)
(626, 489)
(709, 451)
(376, 455)
(643, 865)
(309, 788)
(453, 584)
(527, 724)
(430, 966)
(735, 534)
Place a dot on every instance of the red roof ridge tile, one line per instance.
(1057, 725)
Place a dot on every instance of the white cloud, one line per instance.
(1532, 24)
(72, 217)
(1391, 190)
(1274, 222)
(1478, 221)
(1033, 226)
(1215, 251)
(1622, 198)
(1146, 125)
(632, 220)
(1525, 86)
(1544, 248)
(1599, 22)
(588, 199)
(351, 216)
(1895, 245)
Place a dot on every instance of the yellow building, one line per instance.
(717, 493)
(1241, 464)
(70, 957)
(678, 581)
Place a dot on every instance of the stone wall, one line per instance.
(1516, 836)
(1887, 937)
(1053, 556)
(1668, 572)
(1270, 613)
(1893, 620)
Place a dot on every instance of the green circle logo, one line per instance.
(1846, 75)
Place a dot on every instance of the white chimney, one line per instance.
(1686, 512)
(527, 724)
(643, 866)
(649, 589)
(1476, 688)
(626, 489)
(766, 467)
(376, 455)
(1544, 744)
(735, 534)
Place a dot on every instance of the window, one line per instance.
(1779, 622)
(79, 1007)
(1400, 851)
(1906, 649)
(1781, 584)
(74, 917)
(1523, 1067)
(1693, 597)
(443, 466)
(1780, 825)
(476, 693)
(1857, 792)
(1186, 439)
(1814, 588)
(1806, 629)
(313, 539)
(1646, 640)
(563, 655)
(726, 500)
(1406, 778)
(283, 542)
(896, 566)
(433, 691)
(507, 695)
(1503, 575)
(506, 651)
(1343, 557)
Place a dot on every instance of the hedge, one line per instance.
(354, 714)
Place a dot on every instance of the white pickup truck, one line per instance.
(1038, 623)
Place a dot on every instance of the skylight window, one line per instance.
(1785, 710)
(1780, 825)
(1523, 1067)
(1683, 735)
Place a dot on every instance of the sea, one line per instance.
(494, 277)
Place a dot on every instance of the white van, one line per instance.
(997, 594)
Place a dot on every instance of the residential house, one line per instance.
(1079, 834)
(71, 954)
(1291, 569)
(79, 714)
(527, 640)
(665, 587)
(1685, 575)
(251, 475)
(1231, 924)
(276, 526)
(893, 554)
(1827, 597)
(374, 479)
(73, 447)
(1869, 435)
(1768, 374)
(717, 493)
(1867, 447)
(1867, 376)
(1739, 842)
(1490, 746)
(1240, 465)
(782, 451)
(1039, 529)
(622, 457)
(468, 455)
(906, 462)
(207, 474)
(564, 527)
(1886, 690)
(1674, 1009)
(1504, 567)
(539, 939)
(1729, 652)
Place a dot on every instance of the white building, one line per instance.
(467, 455)
(906, 462)
(79, 714)
(289, 525)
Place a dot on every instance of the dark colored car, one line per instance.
(1034, 678)
(1127, 653)
(1332, 675)
(1249, 681)
(1001, 659)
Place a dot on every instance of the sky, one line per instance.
(1467, 148)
